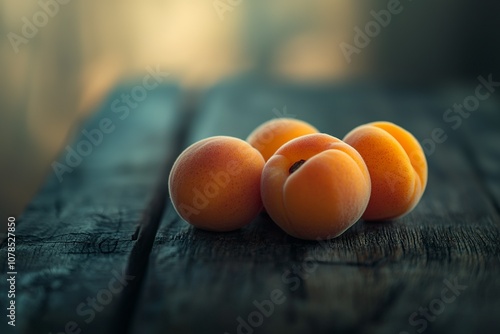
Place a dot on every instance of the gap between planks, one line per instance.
(147, 227)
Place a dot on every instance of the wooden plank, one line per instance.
(481, 143)
(75, 238)
(371, 279)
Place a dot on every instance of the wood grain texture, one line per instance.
(75, 238)
(375, 278)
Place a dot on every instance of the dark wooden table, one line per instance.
(103, 251)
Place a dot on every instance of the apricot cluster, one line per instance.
(312, 185)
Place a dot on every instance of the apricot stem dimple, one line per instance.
(296, 165)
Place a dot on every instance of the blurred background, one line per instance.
(55, 73)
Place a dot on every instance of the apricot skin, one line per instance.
(321, 198)
(215, 184)
(271, 135)
(397, 166)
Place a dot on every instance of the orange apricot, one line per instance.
(271, 135)
(315, 187)
(397, 166)
(215, 183)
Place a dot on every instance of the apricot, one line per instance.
(315, 187)
(397, 166)
(271, 135)
(215, 183)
